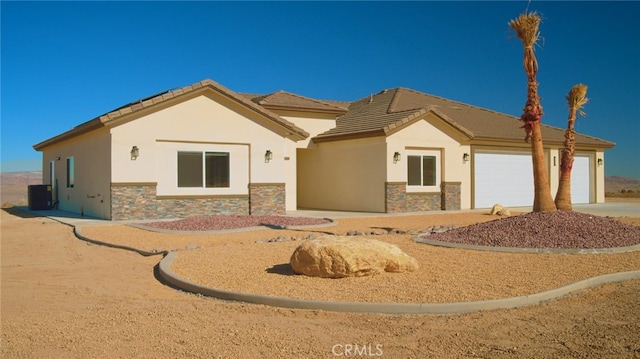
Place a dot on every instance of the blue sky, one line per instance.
(64, 63)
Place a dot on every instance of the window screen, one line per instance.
(217, 169)
(189, 169)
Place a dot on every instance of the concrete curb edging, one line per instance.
(166, 272)
(79, 235)
(528, 250)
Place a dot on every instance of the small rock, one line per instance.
(504, 212)
(496, 208)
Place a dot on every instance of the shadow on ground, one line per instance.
(20, 213)
(282, 269)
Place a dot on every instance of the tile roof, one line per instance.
(390, 110)
(284, 100)
(375, 115)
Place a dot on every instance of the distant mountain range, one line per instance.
(617, 184)
(13, 187)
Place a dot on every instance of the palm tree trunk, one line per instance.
(563, 196)
(526, 27)
(576, 99)
(532, 117)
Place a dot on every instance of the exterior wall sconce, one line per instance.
(554, 161)
(135, 152)
(465, 158)
(396, 157)
(268, 156)
(600, 161)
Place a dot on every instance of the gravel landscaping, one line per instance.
(210, 223)
(258, 261)
(560, 229)
(63, 297)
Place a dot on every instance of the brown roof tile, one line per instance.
(390, 109)
(374, 115)
(284, 100)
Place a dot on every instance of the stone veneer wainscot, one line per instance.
(133, 201)
(267, 199)
(451, 196)
(398, 200)
(137, 201)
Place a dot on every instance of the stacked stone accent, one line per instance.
(133, 201)
(418, 202)
(173, 207)
(451, 196)
(395, 197)
(137, 201)
(267, 199)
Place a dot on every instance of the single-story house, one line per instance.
(204, 149)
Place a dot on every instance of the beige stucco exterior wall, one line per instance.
(343, 175)
(600, 190)
(313, 123)
(204, 123)
(430, 134)
(553, 165)
(91, 192)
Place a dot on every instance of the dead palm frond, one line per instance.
(526, 27)
(577, 98)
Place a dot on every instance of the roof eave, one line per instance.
(86, 127)
(305, 109)
(349, 136)
(407, 121)
(604, 145)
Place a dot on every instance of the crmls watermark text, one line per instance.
(355, 350)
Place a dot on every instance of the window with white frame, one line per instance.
(198, 169)
(423, 171)
(71, 169)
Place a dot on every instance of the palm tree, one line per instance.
(526, 28)
(576, 99)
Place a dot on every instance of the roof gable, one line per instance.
(151, 102)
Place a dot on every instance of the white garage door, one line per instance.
(580, 180)
(503, 178)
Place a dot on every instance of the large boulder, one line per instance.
(348, 256)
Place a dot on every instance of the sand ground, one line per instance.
(62, 297)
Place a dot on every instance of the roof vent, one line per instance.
(371, 98)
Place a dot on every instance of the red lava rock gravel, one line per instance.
(212, 223)
(559, 229)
